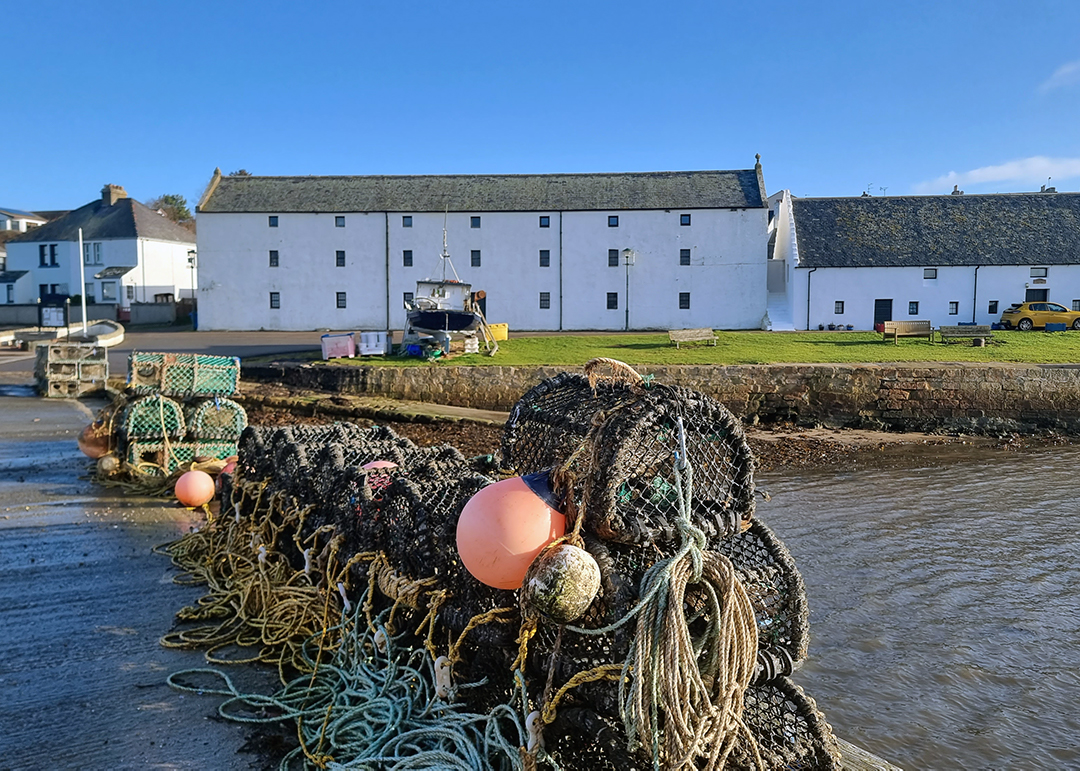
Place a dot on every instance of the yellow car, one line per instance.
(1027, 316)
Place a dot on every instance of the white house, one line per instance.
(948, 259)
(22, 221)
(660, 250)
(130, 254)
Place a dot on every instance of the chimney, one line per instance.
(110, 194)
(956, 190)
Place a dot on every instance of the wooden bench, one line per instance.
(968, 332)
(900, 329)
(692, 336)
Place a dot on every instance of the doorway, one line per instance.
(1037, 295)
(882, 311)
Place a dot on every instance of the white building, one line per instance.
(664, 250)
(22, 221)
(949, 259)
(130, 254)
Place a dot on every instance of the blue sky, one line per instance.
(837, 97)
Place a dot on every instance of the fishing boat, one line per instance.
(443, 304)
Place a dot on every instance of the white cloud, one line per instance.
(1065, 75)
(1027, 172)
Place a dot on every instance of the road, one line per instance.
(83, 602)
(18, 366)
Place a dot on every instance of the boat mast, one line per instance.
(445, 256)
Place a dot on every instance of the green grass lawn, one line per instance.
(760, 348)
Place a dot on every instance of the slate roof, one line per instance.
(127, 218)
(20, 214)
(488, 192)
(115, 271)
(941, 230)
(11, 276)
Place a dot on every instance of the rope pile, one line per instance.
(679, 662)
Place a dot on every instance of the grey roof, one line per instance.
(11, 276)
(127, 218)
(488, 192)
(999, 229)
(20, 214)
(115, 271)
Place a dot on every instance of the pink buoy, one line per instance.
(195, 488)
(504, 526)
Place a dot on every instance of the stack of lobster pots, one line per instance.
(179, 411)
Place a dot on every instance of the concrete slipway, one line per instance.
(83, 602)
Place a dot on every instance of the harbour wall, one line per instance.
(988, 399)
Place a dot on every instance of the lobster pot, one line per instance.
(183, 374)
(154, 417)
(216, 419)
(160, 458)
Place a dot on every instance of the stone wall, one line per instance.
(968, 398)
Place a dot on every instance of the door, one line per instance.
(882, 311)
(1037, 295)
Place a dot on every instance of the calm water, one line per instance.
(945, 604)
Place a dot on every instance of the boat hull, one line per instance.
(443, 320)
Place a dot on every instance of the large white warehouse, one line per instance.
(658, 250)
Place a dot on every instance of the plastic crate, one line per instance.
(339, 346)
(374, 343)
(183, 374)
(499, 331)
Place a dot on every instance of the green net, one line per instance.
(215, 418)
(154, 417)
(161, 459)
(183, 374)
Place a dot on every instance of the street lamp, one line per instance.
(191, 263)
(628, 256)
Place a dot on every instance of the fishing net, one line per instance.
(215, 418)
(159, 459)
(153, 417)
(183, 374)
(363, 516)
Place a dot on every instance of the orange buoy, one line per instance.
(195, 488)
(94, 440)
(504, 526)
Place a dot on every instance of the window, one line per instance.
(684, 256)
(992, 308)
(545, 300)
(86, 254)
(43, 256)
(11, 293)
(613, 221)
(97, 254)
(339, 258)
(275, 299)
(273, 220)
(406, 222)
(406, 258)
(684, 219)
(339, 222)
(613, 301)
(954, 308)
(474, 258)
(913, 309)
(838, 307)
(1076, 305)
(474, 222)
(341, 299)
(545, 221)
(108, 291)
(88, 290)
(1038, 272)
(52, 256)
(407, 297)
(545, 258)
(929, 273)
(273, 258)
(684, 301)
(613, 258)
(130, 291)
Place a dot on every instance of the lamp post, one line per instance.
(191, 262)
(628, 260)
